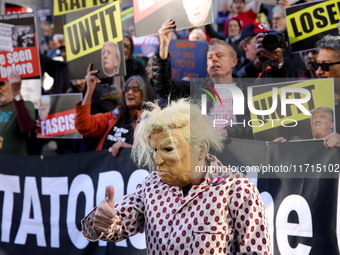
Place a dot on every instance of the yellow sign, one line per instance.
(127, 13)
(66, 6)
(321, 91)
(88, 33)
(313, 20)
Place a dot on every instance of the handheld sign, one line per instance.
(145, 45)
(18, 46)
(309, 22)
(56, 116)
(67, 6)
(187, 59)
(94, 35)
(149, 15)
(290, 115)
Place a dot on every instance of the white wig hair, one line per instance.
(181, 114)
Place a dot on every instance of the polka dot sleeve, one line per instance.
(248, 213)
(130, 216)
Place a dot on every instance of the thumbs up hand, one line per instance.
(105, 214)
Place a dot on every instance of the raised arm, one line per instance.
(161, 67)
(25, 116)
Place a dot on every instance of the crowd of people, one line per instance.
(118, 112)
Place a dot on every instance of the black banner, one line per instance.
(42, 200)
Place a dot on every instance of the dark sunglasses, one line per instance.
(134, 89)
(324, 66)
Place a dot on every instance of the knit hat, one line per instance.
(253, 29)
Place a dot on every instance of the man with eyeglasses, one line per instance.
(16, 117)
(327, 66)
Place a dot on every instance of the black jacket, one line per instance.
(173, 90)
(58, 71)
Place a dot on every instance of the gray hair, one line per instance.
(247, 40)
(58, 37)
(278, 8)
(45, 100)
(231, 50)
(329, 42)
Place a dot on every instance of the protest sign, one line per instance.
(56, 116)
(61, 7)
(41, 207)
(45, 15)
(288, 119)
(187, 59)
(127, 13)
(309, 22)
(149, 15)
(18, 46)
(67, 6)
(145, 45)
(94, 35)
(31, 91)
(11, 8)
(56, 192)
(274, 2)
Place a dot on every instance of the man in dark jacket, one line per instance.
(221, 59)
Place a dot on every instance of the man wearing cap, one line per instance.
(254, 63)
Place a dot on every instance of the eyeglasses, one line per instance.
(324, 66)
(134, 89)
(277, 18)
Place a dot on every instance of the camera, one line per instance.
(273, 40)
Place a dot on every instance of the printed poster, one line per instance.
(145, 45)
(294, 115)
(187, 59)
(18, 46)
(150, 15)
(56, 116)
(94, 35)
(309, 22)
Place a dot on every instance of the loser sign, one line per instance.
(309, 22)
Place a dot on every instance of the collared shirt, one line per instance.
(222, 215)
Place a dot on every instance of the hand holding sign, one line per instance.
(105, 215)
(165, 37)
(116, 147)
(332, 141)
(15, 81)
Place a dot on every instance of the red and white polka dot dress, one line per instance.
(219, 216)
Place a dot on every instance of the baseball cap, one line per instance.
(253, 28)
